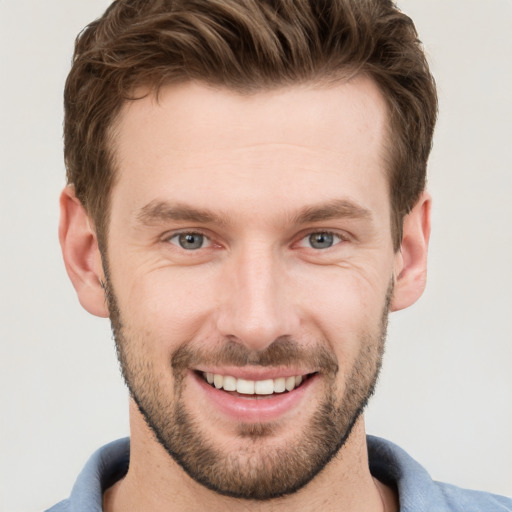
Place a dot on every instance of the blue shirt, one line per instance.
(388, 463)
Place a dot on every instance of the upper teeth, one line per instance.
(253, 387)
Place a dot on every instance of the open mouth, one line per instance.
(254, 387)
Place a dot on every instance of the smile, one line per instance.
(254, 395)
(254, 387)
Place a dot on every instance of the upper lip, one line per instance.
(255, 373)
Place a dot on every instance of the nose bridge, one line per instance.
(256, 308)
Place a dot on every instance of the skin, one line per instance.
(255, 163)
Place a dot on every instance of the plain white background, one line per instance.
(445, 394)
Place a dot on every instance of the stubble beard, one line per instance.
(257, 470)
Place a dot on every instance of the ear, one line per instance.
(81, 254)
(411, 259)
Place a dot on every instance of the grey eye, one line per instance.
(189, 241)
(321, 240)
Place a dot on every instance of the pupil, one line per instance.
(191, 240)
(321, 240)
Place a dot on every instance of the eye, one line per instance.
(321, 240)
(190, 241)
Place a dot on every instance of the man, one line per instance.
(247, 203)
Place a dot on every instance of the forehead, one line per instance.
(302, 113)
(304, 139)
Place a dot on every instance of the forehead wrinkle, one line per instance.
(338, 208)
(162, 211)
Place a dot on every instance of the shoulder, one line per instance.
(62, 506)
(473, 501)
(105, 467)
(416, 489)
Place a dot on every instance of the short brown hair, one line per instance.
(247, 46)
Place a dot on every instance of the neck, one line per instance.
(155, 482)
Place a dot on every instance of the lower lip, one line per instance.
(263, 409)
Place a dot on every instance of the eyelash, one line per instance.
(303, 239)
(306, 236)
(190, 233)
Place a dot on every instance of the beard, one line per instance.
(259, 469)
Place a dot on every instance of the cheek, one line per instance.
(340, 294)
(343, 306)
(167, 304)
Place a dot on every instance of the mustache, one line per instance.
(283, 351)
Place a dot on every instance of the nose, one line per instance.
(256, 306)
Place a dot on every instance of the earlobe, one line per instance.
(411, 259)
(81, 253)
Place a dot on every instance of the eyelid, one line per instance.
(187, 231)
(343, 237)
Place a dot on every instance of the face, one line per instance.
(249, 271)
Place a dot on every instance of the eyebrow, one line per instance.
(163, 211)
(336, 209)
